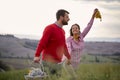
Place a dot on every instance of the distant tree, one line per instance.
(96, 59)
(10, 35)
(4, 66)
(7, 35)
(83, 58)
(17, 57)
(12, 54)
(31, 45)
(28, 55)
(0, 54)
(116, 54)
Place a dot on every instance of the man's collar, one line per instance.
(58, 24)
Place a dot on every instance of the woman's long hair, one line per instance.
(71, 34)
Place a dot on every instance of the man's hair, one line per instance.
(61, 12)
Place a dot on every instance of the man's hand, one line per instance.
(37, 59)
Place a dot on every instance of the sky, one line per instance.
(30, 17)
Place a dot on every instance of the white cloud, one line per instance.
(30, 17)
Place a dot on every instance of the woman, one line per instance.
(75, 42)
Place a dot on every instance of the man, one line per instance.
(52, 45)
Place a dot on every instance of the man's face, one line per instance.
(65, 19)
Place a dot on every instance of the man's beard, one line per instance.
(64, 22)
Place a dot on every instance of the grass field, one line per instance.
(91, 71)
(91, 68)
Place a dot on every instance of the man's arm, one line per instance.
(42, 43)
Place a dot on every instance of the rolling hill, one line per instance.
(11, 46)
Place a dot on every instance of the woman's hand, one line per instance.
(68, 62)
(97, 14)
(94, 13)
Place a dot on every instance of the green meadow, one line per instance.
(92, 71)
(91, 68)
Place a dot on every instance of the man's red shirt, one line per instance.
(52, 44)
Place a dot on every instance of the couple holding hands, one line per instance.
(53, 45)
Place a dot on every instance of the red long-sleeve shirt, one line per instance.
(52, 44)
